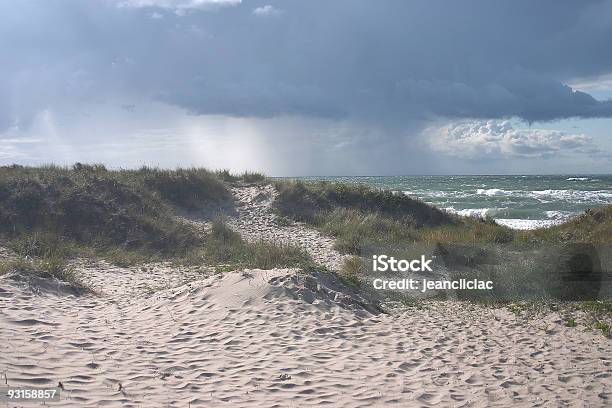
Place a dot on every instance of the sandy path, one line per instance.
(255, 220)
(276, 338)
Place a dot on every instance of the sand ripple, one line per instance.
(262, 339)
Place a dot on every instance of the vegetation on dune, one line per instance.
(246, 177)
(355, 230)
(606, 328)
(51, 214)
(225, 246)
(101, 209)
(469, 230)
(45, 268)
(362, 217)
(353, 269)
(512, 281)
(190, 189)
(589, 315)
(366, 221)
(305, 201)
(253, 177)
(594, 225)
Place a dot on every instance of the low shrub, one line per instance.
(303, 201)
(223, 245)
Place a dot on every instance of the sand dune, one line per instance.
(255, 220)
(165, 337)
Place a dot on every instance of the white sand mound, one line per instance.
(281, 339)
(44, 284)
(255, 287)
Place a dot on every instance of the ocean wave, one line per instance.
(560, 215)
(595, 196)
(493, 192)
(425, 194)
(543, 196)
(577, 179)
(531, 215)
(476, 212)
(521, 224)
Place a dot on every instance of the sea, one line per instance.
(519, 202)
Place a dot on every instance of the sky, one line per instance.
(290, 88)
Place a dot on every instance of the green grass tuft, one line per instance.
(605, 328)
(246, 177)
(253, 177)
(304, 201)
(595, 225)
(52, 214)
(362, 217)
(46, 268)
(352, 269)
(102, 209)
(191, 189)
(224, 246)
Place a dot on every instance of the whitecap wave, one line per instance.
(476, 212)
(560, 215)
(521, 224)
(577, 179)
(427, 194)
(492, 192)
(581, 196)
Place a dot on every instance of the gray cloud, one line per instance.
(384, 70)
(392, 62)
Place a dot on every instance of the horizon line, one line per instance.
(454, 175)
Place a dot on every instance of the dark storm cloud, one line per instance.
(387, 62)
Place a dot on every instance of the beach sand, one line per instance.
(158, 335)
(165, 337)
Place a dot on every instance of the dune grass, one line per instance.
(102, 209)
(190, 189)
(594, 225)
(253, 177)
(246, 177)
(45, 268)
(470, 231)
(304, 201)
(361, 217)
(51, 214)
(365, 222)
(224, 246)
(353, 269)
(355, 230)
(55, 213)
